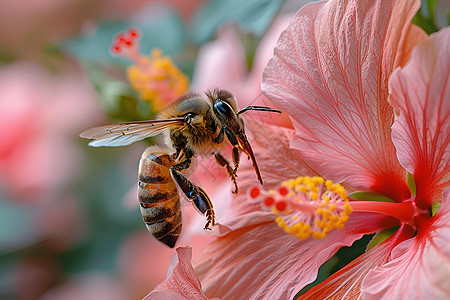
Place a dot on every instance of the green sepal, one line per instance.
(411, 183)
(366, 196)
(381, 237)
(435, 208)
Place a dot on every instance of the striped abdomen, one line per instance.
(158, 196)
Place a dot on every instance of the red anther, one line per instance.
(128, 43)
(120, 38)
(269, 201)
(115, 48)
(133, 32)
(281, 206)
(283, 191)
(254, 192)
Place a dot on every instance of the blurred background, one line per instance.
(70, 226)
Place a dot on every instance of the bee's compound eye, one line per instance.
(221, 107)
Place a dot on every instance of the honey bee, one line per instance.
(193, 125)
(159, 198)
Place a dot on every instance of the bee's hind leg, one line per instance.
(223, 162)
(197, 195)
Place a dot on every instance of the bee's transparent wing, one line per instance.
(127, 133)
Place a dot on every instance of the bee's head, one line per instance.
(225, 110)
(193, 109)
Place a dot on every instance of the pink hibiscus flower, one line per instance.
(330, 71)
(336, 90)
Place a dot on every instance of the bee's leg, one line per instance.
(233, 140)
(187, 153)
(197, 195)
(223, 162)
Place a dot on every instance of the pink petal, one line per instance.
(421, 266)
(420, 93)
(182, 284)
(330, 72)
(346, 283)
(260, 261)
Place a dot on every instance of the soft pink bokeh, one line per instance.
(41, 115)
(89, 286)
(143, 262)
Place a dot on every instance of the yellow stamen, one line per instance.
(157, 79)
(315, 207)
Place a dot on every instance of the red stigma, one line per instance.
(254, 192)
(281, 206)
(283, 191)
(269, 201)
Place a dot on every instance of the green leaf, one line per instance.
(254, 16)
(117, 97)
(93, 46)
(365, 196)
(425, 17)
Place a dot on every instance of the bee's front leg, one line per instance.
(197, 195)
(233, 140)
(223, 162)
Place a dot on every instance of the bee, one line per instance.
(193, 125)
(159, 198)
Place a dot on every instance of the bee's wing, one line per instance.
(127, 133)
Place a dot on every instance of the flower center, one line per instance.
(313, 206)
(155, 77)
(306, 206)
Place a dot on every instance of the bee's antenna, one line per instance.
(260, 108)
